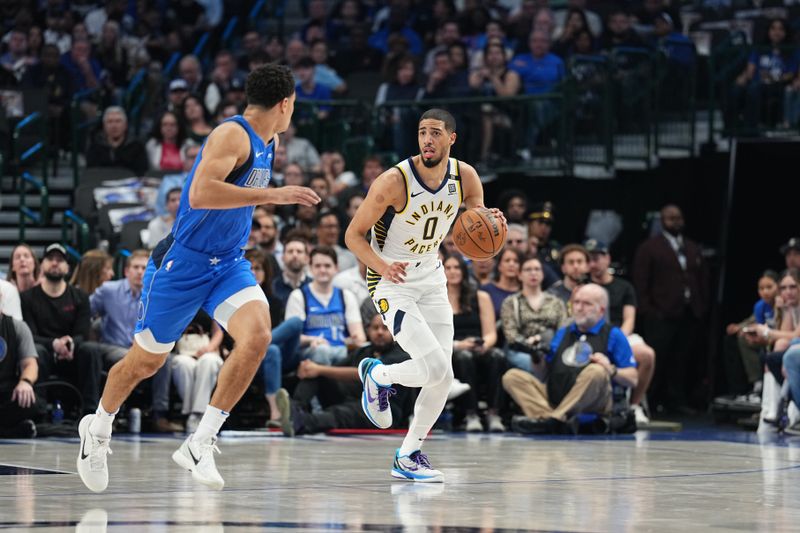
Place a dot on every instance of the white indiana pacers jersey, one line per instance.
(415, 233)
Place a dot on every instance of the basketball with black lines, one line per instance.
(478, 234)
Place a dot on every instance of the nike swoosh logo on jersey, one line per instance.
(259, 154)
(417, 194)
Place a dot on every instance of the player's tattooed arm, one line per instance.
(387, 191)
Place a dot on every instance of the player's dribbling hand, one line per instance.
(497, 214)
(396, 272)
(294, 194)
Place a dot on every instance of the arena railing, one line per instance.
(74, 231)
(40, 218)
(79, 125)
(726, 61)
(589, 97)
(345, 118)
(22, 158)
(675, 96)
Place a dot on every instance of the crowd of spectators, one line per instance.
(529, 322)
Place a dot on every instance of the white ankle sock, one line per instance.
(210, 424)
(102, 423)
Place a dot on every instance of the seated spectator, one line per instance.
(334, 170)
(58, 315)
(195, 367)
(622, 314)
(762, 83)
(493, 78)
(483, 271)
(24, 273)
(16, 58)
(116, 304)
(113, 147)
(328, 232)
(574, 261)
(530, 317)
(354, 279)
(517, 237)
(353, 203)
(269, 244)
(400, 121)
(593, 21)
(167, 143)
(113, 56)
(190, 70)
(619, 32)
(574, 24)
(84, 70)
(324, 74)
(95, 268)
(339, 389)
(161, 226)
(791, 367)
(676, 46)
(51, 75)
(398, 23)
(235, 97)
(788, 328)
(747, 348)
(791, 253)
(373, 167)
(331, 316)
(583, 362)
(19, 371)
(475, 360)
(177, 93)
(447, 33)
(320, 185)
(506, 277)
(197, 118)
(176, 181)
(357, 55)
(308, 89)
(444, 80)
(295, 265)
(224, 72)
(299, 150)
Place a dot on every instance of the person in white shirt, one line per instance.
(161, 226)
(9, 300)
(354, 280)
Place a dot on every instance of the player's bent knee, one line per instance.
(146, 342)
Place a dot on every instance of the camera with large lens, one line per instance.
(537, 350)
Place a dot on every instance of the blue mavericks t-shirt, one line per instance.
(764, 313)
(222, 231)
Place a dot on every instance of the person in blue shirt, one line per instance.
(576, 376)
(540, 72)
(308, 89)
(200, 265)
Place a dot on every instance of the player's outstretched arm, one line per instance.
(227, 148)
(388, 190)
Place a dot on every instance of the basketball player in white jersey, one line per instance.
(409, 210)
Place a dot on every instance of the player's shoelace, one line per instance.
(421, 460)
(383, 397)
(208, 447)
(97, 457)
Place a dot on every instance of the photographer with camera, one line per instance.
(475, 361)
(583, 360)
(574, 261)
(530, 318)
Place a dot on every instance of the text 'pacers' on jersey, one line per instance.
(415, 233)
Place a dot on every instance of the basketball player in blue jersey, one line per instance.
(200, 265)
(409, 210)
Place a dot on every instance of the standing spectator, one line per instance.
(328, 231)
(295, 263)
(308, 89)
(622, 314)
(167, 143)
(161, 226)
(95, 268)
(324, 74)
(574, 261)
(331, 317)
(401, 121)
(197, 118)
(584, 360)
(25, 272)
(475, 360)
(671, 281)
(19, 371)
(540, 226)
(113, 146)
(493, 78)
(58, 316)
(530, 317)
(506, 279)
(83, 69)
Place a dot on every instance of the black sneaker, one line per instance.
(530, 426)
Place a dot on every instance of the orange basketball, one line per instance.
(478, 234)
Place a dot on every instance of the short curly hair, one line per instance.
(268, 85)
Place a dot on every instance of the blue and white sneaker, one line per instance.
(415, 467)
(375, 398)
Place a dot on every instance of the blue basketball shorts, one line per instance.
(179, 281)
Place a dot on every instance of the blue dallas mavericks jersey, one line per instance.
(325, 321)
(221, 231)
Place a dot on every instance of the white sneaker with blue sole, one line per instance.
(415, 467)
(375, 398)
